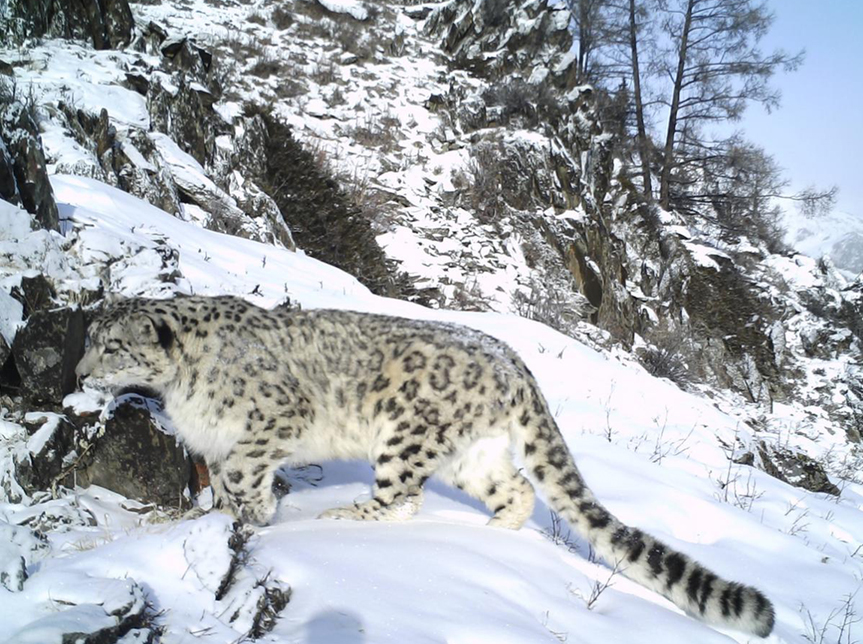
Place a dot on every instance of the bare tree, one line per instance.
(602, 31)
(736, 185)
(635, 14)
(588, 17)
(715, 68)
(621, 31)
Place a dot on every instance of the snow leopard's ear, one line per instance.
(154, 329)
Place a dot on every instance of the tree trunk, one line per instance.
(643, 148)
(668, 159)
(584, 38)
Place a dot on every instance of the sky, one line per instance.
(817, 133)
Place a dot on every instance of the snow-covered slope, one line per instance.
(661, 459)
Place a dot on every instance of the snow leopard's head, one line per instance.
(130, 345)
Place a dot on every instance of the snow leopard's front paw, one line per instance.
(260, 513)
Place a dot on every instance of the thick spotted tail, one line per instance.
(646, 560)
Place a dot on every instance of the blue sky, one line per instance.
(817, 133)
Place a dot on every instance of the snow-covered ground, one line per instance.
(661, 459)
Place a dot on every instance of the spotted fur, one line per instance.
(251, 390)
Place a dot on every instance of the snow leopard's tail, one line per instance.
(646, 560)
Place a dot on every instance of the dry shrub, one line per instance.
(664, 357)
(324, 221)
(282, 17)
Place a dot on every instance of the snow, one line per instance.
(350, 7)
(704, 255)
(11, 314)
(49, 424)
(56, 73)
(654, 454)
(658, 457)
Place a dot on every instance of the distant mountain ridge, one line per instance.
(837, 235)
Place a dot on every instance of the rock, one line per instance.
(118, 20)
(352, 8)
(135, 458)
(23, 147)
(87, 609)
(19, 547)
(137, 82)
(795, 469)
(187, 56)
(141, 171)
(182, 113)
(5, 350)
(262, 209)
(36, 294)
(52, 439)
(105, 23)
(8, 185)
(46, 352)
(471, 29)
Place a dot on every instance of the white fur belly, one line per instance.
(333, 441)
(201, 431)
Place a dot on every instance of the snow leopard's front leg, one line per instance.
(221, 500)
(244, 484)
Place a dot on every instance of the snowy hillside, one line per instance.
(661, 459)
(467, 173)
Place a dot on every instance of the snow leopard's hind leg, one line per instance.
(486, 472)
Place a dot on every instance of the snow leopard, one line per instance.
(251, 390)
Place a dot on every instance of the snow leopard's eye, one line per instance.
(112, 346)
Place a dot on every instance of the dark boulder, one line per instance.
(23, 147)
(46, 352)
(52, 440)
(36, 293)
(135, 458)
(8, 185)
(5, 350)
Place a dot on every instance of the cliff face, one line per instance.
(105, 24)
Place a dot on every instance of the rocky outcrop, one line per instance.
(796, 469)
(51, 446)
(46, 352)
(93, 610)
(190, 160)
(23, 176)
(106, 24)
(133, 456)
(492, 40)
